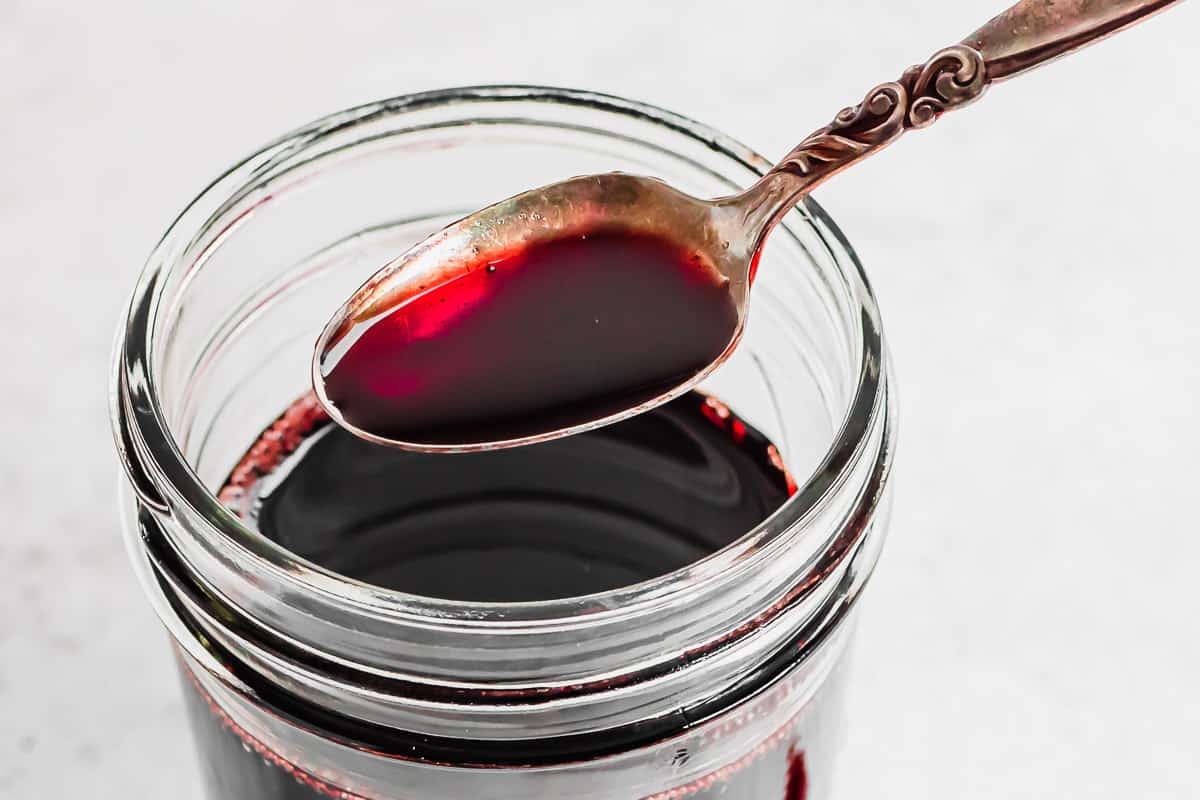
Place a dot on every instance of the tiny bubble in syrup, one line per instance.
(724, 245)
(491, 267)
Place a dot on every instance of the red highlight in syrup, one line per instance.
(562, 333)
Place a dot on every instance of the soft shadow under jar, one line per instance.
(659, 609)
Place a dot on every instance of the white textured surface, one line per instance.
(1031, 632)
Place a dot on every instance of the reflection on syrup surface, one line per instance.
(568, 517)
(561, 333)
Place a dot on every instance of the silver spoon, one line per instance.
(728, 231)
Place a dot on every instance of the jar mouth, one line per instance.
(165, 480)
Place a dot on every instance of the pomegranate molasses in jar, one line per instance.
(660, 608)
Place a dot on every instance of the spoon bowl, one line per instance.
(630, 206)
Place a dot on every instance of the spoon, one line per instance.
(650, 343)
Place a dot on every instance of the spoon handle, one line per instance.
(1036, 31)
(1025, 36)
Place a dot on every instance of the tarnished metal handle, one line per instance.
(1036, 31)
(952, 77)
(1027, 35)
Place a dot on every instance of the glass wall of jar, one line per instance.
(717, 679)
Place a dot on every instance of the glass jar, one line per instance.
(718, 679)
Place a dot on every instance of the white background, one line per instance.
(1031, 632)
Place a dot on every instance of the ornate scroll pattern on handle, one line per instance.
(953, 77)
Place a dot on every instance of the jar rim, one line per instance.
(150, 451)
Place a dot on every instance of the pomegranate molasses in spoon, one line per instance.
(581, 303)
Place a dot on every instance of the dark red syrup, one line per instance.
(561, 333)
(572, 516)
